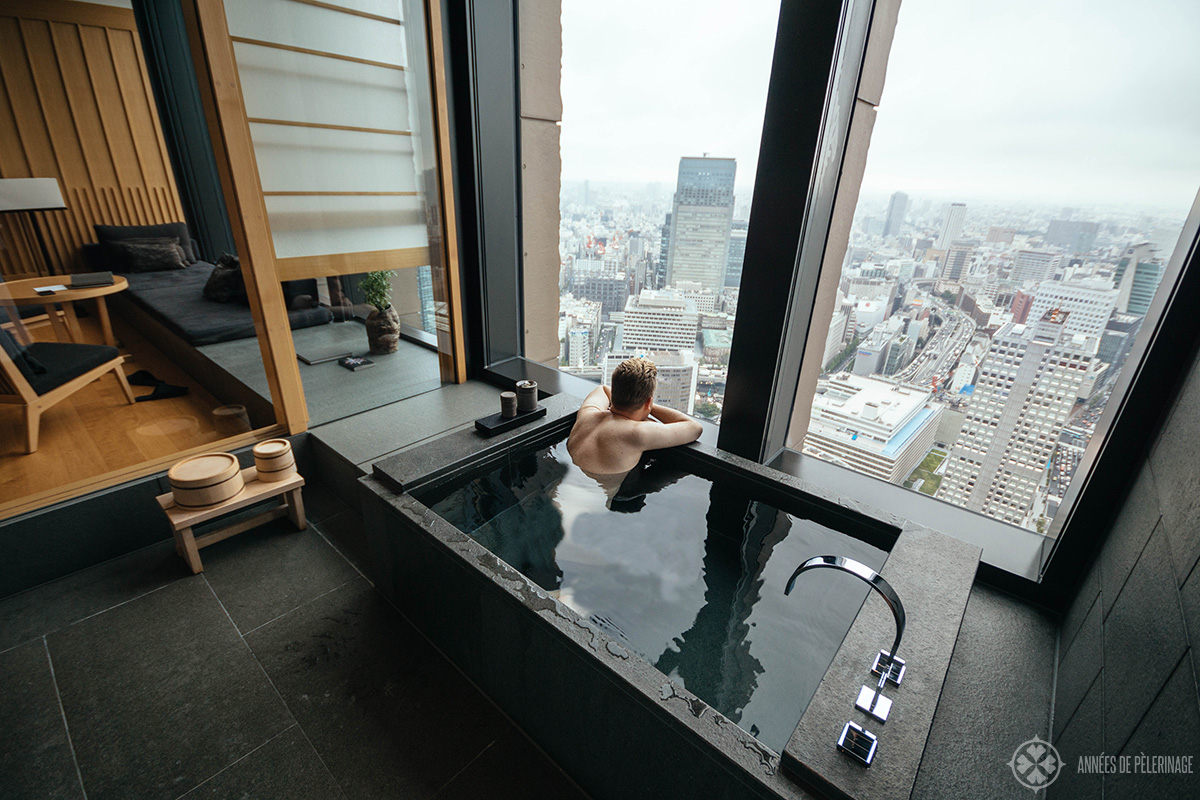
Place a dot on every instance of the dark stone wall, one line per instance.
(1126, 679)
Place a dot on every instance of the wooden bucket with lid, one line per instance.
(205, 480)
(274, 459)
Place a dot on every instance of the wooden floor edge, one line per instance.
(107, 480)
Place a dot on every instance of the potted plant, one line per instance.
(383, 323)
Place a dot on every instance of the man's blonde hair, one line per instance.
(633, 383)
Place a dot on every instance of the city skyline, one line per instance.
(1111, 128)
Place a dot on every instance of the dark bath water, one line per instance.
(687, 573)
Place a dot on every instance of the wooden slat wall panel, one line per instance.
(76, 104)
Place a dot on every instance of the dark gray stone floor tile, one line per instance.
(1170, 728)
(51, 606)
(1143, 641)
(263, 573)
(1173, 462)
(161, 693)
(387, 714)
(35, 753)
(320, 501)
(285, 767)
(1189, 598)
(1078, 666)
(1134, 524)
(345, 532)
(1080, 606)
(511, 767)
(1081, 736)
(1004, 659)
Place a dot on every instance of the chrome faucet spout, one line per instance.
(871, 577)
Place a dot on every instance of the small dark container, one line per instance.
(508, 404)
(527, 396)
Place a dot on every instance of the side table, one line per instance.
(183, 520)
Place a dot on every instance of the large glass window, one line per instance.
(1028, 176)
(661, 121)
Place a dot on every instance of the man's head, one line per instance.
(633, 384)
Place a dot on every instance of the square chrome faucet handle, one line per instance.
(873, 705)
(858, 743)
(896, 667)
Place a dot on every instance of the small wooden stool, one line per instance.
(184, 519)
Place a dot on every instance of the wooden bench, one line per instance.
(183, 520)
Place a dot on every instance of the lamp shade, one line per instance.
(30, 194)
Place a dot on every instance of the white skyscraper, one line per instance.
(1027, 386)
(701, 219)
(952, 229)
(660, 320)
(1033, 266)
(1088, 304)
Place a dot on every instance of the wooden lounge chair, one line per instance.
(38, 376)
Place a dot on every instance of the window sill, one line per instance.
(1007, 549)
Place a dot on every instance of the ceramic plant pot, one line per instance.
(383, 331)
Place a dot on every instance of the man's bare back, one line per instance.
(606, 440)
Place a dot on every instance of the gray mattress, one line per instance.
(176, 298)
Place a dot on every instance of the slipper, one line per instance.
(162, 391)
(143, 378)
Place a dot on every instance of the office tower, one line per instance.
(875, 427)
(1136, 287)
(1034, 266)
(1117, 339)
(425, 294)
(836, 336)
(952, 229)
(1000, 235)
(1071, 235)
(1088, 305)
(701, 220)
(1021, 303)
(602, 280)
(737, 252)
(660, 320)
(897, 208)
(579, 347)
(1027, 385)
(958, 259)
(678, 374)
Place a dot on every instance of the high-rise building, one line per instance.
(737, 252)
(1000, 235)
(875, 427)
(1072, 235)
(958, 259)
(678, 374)
(1027, 386)
(1136, 286)
(897, 208)
(701, 220)
(602, 280)
(952, 228)
(1117, 339)
(1021, 303)
(1034, 266)
(660, 320)
(658, 278)
(1088, 305)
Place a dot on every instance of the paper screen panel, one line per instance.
(315, 28)
(310, 226)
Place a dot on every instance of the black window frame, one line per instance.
(815, 72)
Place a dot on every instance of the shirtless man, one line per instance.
(614, 426)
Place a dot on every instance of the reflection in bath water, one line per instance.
(683, 571)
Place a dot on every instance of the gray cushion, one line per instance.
(179, 230)
(145, 255)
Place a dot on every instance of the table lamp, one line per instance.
(29, 195)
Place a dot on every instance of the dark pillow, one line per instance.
(226, 283)
(145, 255)
(179, 230)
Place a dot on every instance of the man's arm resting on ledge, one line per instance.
(600, 397)
(677, 428)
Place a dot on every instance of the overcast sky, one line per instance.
(1069, 101)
